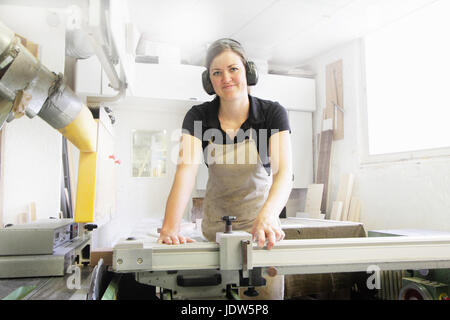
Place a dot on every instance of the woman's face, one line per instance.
(228, 76)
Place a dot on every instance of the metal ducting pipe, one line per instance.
(27, 87)
(6, 56)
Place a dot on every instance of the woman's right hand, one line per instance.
(173, 237)
(183, 184)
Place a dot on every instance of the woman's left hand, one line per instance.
(267, 227)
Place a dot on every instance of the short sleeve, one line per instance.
(193, 123)
(278, 119)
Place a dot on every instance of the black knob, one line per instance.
(90, 227)
(251, 292)
(228, 221)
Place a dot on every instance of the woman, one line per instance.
(254, 134)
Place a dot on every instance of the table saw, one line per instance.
(203, 270)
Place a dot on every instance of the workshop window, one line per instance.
(149, 153)
(407, 66)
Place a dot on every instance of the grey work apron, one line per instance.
(238, 185)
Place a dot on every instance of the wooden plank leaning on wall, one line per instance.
(324, 162)
(332, 126)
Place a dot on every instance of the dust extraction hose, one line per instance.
(27, 87)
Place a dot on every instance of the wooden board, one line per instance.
(335, 96)
(314, 196)
(32, 211)
(355, 209)
(345, 193)
(336, 210)
(324, 162)
(332, 127)
(101, 253)
(302, 285)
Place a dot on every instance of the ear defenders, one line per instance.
(250, 70)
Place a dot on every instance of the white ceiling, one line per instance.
(286, 33)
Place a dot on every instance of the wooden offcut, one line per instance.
(345, 193)
(324, 162)
(355, 209)
(314, 195)
(101, 253)
(336, 210)
(32, 210)
(301, 285)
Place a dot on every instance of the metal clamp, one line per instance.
(246, 257)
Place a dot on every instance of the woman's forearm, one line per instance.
(278, 194)
(281, 164)
(266, 225)
(189, 159)
(179, 196)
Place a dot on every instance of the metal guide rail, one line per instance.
(305, 256)
(203, 269)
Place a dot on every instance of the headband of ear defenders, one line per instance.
(250, 69)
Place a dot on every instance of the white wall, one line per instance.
(32, 149)
(138, 199)
(415, 194)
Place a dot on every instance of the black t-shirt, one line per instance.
(265, 118)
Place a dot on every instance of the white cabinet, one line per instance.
(158, 81)
(177, 81)
(91, 79)
(293, 93)
(302, 148)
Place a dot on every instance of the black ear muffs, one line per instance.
(251, 74)
(206, 81)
